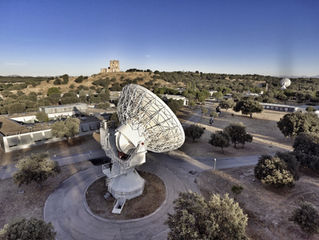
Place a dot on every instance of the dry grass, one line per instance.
(14, 204)
(120, 77)
(152, 197)
(268, 209)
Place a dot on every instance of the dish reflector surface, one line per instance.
(146, 112)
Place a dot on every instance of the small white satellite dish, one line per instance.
(285, 82)
(147, 124)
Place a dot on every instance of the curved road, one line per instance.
(66, 210)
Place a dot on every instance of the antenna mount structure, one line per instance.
(146, 124)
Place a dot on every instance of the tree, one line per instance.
(53, 90)
(79, 79)
(273, 171)
(237, 134)
(16, 108)
(175, 105)
(219, 139)
(248, 106)
(196, 219)
(292, 163)
(68, 128)
(310, 109)
(218, 95)
(307, 217)
(295, 123)
(306, 149)
(36, 168)
(42, 117)
(194, 131)
(28, 229)
(226, 104)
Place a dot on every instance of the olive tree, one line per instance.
(273, 171)
(306, 149)
(226, 104)
(295, 123)
(36, 168)
(42, 117)
(219, 139)
(28, 229)
(248, 106)
(237, 134)
(68, 128)
(194, 131)
(307, 217)
(196, 218)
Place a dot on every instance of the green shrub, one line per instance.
(194, 218)
(237, 134)
(237, 189)
(219, 139)
(273, 171)
(28, 229)
(194, 131)
(307, 217)
(37, 168)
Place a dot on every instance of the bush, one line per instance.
(194, 131)
(226, 104)
(16, 108)
(54, 90)
(273, 171)
(219, 139)
(36, 168)
(79, 79)
(220, 218)
(307, 217)
(292, 163)
(65, 78)
(42, 117)
(237, 189)
(57, 81)
(28, 229)
(310, 109)
(237, 134)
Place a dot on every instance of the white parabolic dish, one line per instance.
(142, 109)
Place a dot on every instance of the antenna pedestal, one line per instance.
(126, 186)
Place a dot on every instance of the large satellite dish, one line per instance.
(285, 82)
(147, 124)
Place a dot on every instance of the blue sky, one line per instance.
(51, 37)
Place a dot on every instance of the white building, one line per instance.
(177, 97)
(55, 112)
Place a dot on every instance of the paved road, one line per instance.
(66, 207)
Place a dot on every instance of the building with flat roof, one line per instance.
(67, 110)
(177, 97)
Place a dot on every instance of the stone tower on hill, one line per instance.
(114, 67)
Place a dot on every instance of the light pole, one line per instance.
(215, 163)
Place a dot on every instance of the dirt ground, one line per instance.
(151, 199)
(29, 200)
(78, 145)
(267, 138)
(268, 209)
